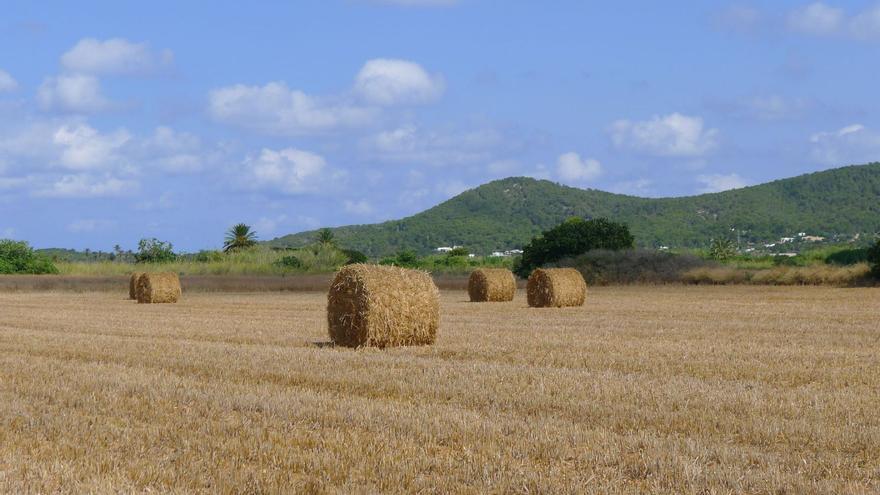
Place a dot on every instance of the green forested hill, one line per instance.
(506, 213)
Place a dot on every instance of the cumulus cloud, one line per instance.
(87, 186)
(276, 109)
(362, 207)
(173, 151)
(816, 18)
(571, 168)
(7, 83)
(673, 135)
(852, 144)
(72, 93)
(114, 56)
(90, 225)
(289, 170)
(393, 82)
(412, 145)
(84, 148)
(720, 182)
(820, 19)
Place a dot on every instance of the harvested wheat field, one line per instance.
(643, 389)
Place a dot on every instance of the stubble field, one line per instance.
(644, 389)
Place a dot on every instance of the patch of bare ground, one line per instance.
(676, 389)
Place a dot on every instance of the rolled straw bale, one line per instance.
(491, 285)
(556, 287)
(132, 285)
(382, 306)
(158, 288)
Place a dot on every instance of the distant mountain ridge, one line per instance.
(505, 214)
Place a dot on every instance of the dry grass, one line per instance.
(675, 389)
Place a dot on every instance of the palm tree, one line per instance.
(325, 236)
(238, 237)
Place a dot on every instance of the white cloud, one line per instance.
(362, 207)
(393, 82)
(816, 18)
(266, 226)
(173, 151)
(411, 145)
(90, 225)
(84, 148)
(853, 144)
(114, 56)
(740, 18)
(74, 93)
(571, 168)
(7, 83)
(86, 186)
(866, 25)
(820, 19)
(720, 182)
(674, 135)
(276, 109)
(289, 170)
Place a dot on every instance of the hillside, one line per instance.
(506, 213)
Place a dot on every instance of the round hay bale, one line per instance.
(382, 306)
(158, 288)
(491, 285)
(556, 288)
(132, 285)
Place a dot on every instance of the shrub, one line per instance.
(289, 262)
(602, 266)
(572, 238)
(847, 257)
(154, 251)
(19, 257)
(354, 256)
(209, 256)
(404, 258)
(873, 257)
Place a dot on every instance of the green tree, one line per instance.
(721, 249)
(573, 237)
(239, 236)
(154, 251)
(19, 257)
(874, 258)
(354, 256)
(325, 236)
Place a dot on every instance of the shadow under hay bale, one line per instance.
(382, 306)
(132, 285)
(491, 285)
(153, 288)
(556, 288)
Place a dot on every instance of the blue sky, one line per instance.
(174, 120)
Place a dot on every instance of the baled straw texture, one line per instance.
(556, 287)
(491, 285)
(132, 285)
(382, 306)
(158, 288)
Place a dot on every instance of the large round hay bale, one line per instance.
(382, 306)
(491, 285)
(158, 288)
(132, 285)
(556, 287)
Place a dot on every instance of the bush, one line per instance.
(405, 259)
(602, 266)
(848, 257)
(873, 257)
(354, 256)
(19, 257)
(573, 237)
(154, 251)
(289, 262)
(210, 256)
